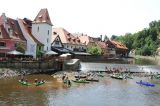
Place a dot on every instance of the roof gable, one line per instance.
(43, 17)
(4, 33)
(66, 37)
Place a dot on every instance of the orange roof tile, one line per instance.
(43, 17)
(66, 37)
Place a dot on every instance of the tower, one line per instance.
(42, 28)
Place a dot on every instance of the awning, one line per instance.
(81, 53)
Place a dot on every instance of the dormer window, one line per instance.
(54, 33)
(40, 16)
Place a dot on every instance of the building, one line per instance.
(104, 48)
(117, 48)
(42, 29)
(57, 45)
(34, 47)
(69, 41)
(10, 35)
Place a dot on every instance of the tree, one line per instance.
(20, 47)
(113, 37)
(94, 50)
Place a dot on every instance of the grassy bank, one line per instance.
(152, 58)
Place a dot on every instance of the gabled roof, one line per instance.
(4, 33)
(43, 17)
(86, 39)
(16, 28)
(66, 37)
(28, 27)
(117, 44)
(54, 37)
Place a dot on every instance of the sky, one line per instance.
(92, 17)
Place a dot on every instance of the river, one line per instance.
(106, 92)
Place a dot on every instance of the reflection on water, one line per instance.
(107, 92)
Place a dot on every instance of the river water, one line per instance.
(106, 92)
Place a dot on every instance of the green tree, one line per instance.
(94, 50)
(20, 47)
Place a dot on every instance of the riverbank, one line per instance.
(152, 58)
(6, 73)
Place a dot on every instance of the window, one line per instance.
(47, 40)
(47, 48)
(0, 33)
(2, 44)
(38, 29)
(48, 32)
(57, 42)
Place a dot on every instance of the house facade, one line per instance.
(69, 41)
(116, 48)
(10, 35)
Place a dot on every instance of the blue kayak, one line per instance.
(146, 84)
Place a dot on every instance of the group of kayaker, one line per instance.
(39, 81)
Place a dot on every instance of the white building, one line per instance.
(42, 28)
(33, 45)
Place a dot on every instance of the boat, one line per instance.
(80, 76)
(145, 83)
(40, 83)
(92, 79)
(117, 77)
(24, 83)
(80, 81)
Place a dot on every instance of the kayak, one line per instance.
(24, 83)
(146, 84)
(93, 80)
(80, 81)
(40, 83)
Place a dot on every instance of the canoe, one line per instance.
(24, 83)
(40, 83)
(93, 80)
(117, 77)
(80, 81)
(80, 76)
(146, 84)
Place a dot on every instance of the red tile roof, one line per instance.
(28, 27)
(66, 37)
(4, 33)
(86, 39)
(17, 33)
(118, 45)
(43, 17)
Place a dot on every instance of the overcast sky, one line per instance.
(93, 17)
